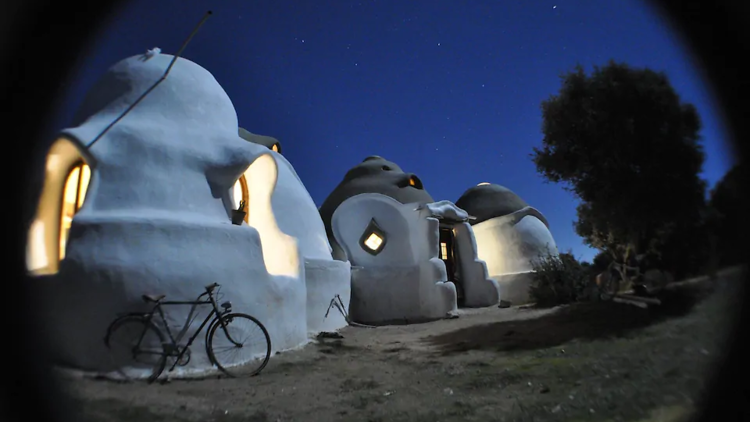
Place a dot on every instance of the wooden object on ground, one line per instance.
(630, 302)
(649, 300)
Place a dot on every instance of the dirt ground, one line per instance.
(597, 361)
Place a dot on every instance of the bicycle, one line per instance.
(223, 320)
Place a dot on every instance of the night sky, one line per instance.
(448, 90)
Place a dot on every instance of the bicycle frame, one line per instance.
(214, 316)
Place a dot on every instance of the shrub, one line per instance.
(558, 279)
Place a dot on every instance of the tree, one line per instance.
(628, 148)
(558, 279)
(729, 216)
(601, 262)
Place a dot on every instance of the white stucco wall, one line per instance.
(156, 216)
(116, 258)
(514, 287)
(479, 289)
(401, 294)
(325, 279)
(296, 213)
(406, 280)
(508, 245)
(297, 216)
(509, 248)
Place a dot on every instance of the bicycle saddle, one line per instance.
(153, 298)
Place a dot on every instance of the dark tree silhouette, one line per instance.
(729, 216)
(622, 141)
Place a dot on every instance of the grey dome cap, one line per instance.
(375, 175)
(266, 141)
(487, 201)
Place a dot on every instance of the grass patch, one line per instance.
(584, 321)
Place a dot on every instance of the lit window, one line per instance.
(74, 193)
(240, 193)
(415, 182)
(63, 193)
(275, 147)
(444, 250)
(373, 239)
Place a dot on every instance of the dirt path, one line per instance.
(588, 361)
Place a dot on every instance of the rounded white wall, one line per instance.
(297, 215)
(325, 277)
(510, 248)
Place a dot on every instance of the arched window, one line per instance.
(74, 193)
(66, 180)
(240, 193)
(256, 187)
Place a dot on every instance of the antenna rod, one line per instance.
(184, 44)
(163, 77)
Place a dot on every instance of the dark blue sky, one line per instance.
(448, 90)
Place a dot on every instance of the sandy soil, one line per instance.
(598, 361)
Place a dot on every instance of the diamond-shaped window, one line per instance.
(373, 239)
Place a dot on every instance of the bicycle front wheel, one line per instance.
(240, 342)
(136, 347)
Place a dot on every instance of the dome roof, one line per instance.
(189, 95)
(486, 201)
(266, 141)
(375, 175)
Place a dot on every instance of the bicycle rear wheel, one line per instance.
(244, 346)
(137, 347)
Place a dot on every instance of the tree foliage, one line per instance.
(728, 216)
(558, 279)
(622, 141)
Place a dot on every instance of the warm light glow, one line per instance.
(373, 241)
(63, 193)
(73, 195)
(36, 256)
(280, 252)
(239, 193)
(412, 182)
(483, 183)
(275, 147)
(444, 250)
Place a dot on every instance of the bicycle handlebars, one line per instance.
(211, 287)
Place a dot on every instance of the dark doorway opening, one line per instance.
(448, 253)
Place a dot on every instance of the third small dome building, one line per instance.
(510, 234)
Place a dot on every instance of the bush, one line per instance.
(559, 279)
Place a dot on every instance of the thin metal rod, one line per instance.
(163, 77)
(187, 41)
